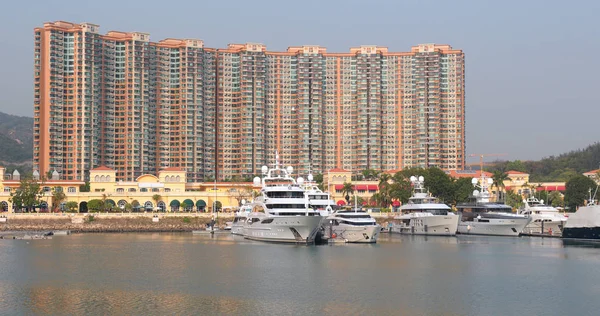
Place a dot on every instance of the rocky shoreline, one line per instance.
(100, 224)
(110, 225)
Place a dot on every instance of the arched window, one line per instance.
(102, 178)
(107, 178)
(143, 190)
(177, 179)
(155, 190)
(120, 190)
(97, 178)
(132, 190)
(167, 190)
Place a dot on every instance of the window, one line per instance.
(71, 189)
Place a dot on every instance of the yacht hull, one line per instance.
(354, 234)
(436, 225)
(237, 229)
(285, 229)
(581, 233)
(494, 227)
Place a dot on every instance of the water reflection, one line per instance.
(223, 274)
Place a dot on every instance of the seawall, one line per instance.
(119, 222)
(106, 223)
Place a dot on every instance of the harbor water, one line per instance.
(201, 274)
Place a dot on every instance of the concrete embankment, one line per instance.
(110, 223)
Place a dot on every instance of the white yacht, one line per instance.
(281, 212)
(424, 214)
(584, 224)
(353, 226)
(482, 217)
(239, 219)
(317, 199)
(545, 219)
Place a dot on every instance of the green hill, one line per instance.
(16, 140)
(556, 168)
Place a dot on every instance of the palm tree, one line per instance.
(498, 178)
(384, 188)
(58, 196)
(347, 189)
(156, 198)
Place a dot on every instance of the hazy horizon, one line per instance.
(530, 75)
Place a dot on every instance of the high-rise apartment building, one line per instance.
(138, 106)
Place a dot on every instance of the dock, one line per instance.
(543, 235)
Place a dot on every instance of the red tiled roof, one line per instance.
(101, 168)
(338, 170)
(515, 172)
(591, 172)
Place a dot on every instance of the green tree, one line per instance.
(156, 198)
(513, 199)
(28, 194)
(347, 189)
(95, 205)
(385, 186)
(318, 178)
(577, 191)
(516, 165)
(105, 204)
(462, 190)
(400, 189)
(58, 196)
(555, 199)
(128, 207)
(72, 206)
(135, 204)
(498, 178)
(85, 187)
(370, 174)
(439, 184)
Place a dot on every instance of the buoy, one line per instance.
(334, 235)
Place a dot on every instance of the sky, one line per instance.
(531, 66)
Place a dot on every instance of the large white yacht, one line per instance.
(317, 199)
(482, 217)
(281, 212)
(424, 214)
(239, 219)
(584, 224)
(545, 219)
(352, 226)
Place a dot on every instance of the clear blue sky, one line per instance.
(532, 66)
